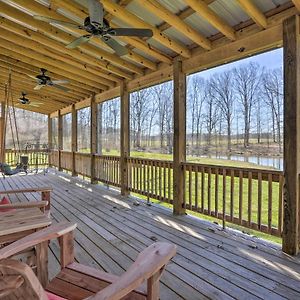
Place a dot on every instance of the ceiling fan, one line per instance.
(25, 101)
(97, 26)
(44, 80)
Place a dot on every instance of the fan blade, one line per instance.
(53, 21)
(60, 87)
(38, 87)
(118, 48)
(131, 32)
(96, 12)
(81, 40)
(35, 104)
(33, 77)
(60, 81)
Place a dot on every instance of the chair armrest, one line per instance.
(47, 234)
(30, 190)
(148, 264)
(38, 204)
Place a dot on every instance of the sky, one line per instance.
(271, 59)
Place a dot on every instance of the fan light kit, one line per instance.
(44, 80)
(96, 26)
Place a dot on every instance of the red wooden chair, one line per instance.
(76, 281)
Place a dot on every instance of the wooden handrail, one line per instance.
(30, 190)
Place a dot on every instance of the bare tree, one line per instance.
(246, 82)
(222, 86)
(139, 109)
(196, 97)
(211, 111)
(272, 84)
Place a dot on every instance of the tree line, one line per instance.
(242, 106)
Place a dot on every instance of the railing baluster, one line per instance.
(270, 201)
(249, 199)
(231, 195)
(259, 198)
(209, 191)
(280, 204)
(216, 192)
(202, 187)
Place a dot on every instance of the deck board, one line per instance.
(210, 263)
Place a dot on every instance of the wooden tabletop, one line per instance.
(22, 220)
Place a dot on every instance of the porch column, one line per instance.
(49, 139)
(60, 139)
(94, 137)
(291, 53)
(179, 146)
(74, 139)
(2, 133)
(124, 139)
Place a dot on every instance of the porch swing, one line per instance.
(21, 161)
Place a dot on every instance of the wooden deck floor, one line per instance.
(210, 264)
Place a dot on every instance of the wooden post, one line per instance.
(60, 139)
(124, 139)
(50, 147)
(94, 137)
(74, 139)
(100, 129)
(179, 150)
(2, 133)
(291, 54)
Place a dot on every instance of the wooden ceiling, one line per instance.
(28, 44)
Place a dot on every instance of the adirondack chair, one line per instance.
(76, 281)
(44, 204)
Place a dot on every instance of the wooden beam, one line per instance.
(28, 56)
(35, 50)
(60, 139)
(291, 54)
(210, 16)
(128, 17)
(187, 12)
(58, 51)
(124, 139)
(297, 4)
(251, 9)
(74, 139)
(179, 149)
(162, 12)
(94, 137)
(66, 38)
(50, 135)
(26, 68)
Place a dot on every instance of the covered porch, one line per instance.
(210, 263)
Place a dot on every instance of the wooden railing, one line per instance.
(36, 157)
(249, 197)
(151, 178)
(107, 169)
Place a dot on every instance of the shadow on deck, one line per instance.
(210, 263)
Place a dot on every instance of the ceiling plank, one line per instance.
(18, 44)
(30, 84)
(58, 48)
(26, 68)
(133, 20)
(17, 52)
(201, 8)
(251, 9)
(297, 4)
(182, 15)
(162, 12)
(39, 9)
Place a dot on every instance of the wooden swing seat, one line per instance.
(76, 281)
